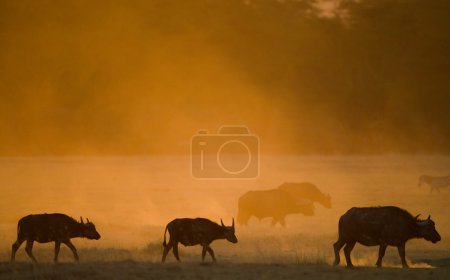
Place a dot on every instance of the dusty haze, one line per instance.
(131, 199)
(140, 77)
(99, 101)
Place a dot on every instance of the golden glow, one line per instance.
(99, 101)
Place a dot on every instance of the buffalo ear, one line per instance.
(221, 222)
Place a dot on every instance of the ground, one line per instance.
(149, 270)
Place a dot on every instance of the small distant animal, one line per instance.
(381, 226)
(301, 191)
(198, 231)
(274, 203)
(435, 183)
(58, 228)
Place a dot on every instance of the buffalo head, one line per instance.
(229, 232)
(427, 229)
(421, 180)
(327, 201)
(88, 229)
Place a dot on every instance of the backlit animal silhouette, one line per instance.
(381, 226)
(301, 191)
(199, 231)
(435, 183)
(58, 228)
(275, 204)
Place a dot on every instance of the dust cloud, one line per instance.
(99, 101)
(131, 199)
(139, 78)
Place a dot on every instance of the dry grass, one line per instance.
(193, 270)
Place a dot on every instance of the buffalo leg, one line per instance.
(15, 247)
(175, 251)
(347, 250)
(205, 248)
(337, 248)
(57, 247)
(29, 250)
(166, 251)
(72, 247)
(401, 252)
(381, 252)
(211, 252)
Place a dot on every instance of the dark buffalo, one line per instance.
(275, 204)
(381, 226)
(307, 191)
(58, 228)
(199, 231)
